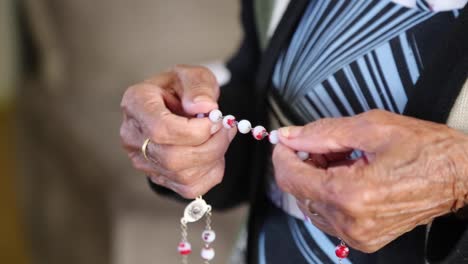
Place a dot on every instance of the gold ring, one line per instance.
(143, 148)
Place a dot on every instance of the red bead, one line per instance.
(342, 251)
(231, 122)
(259, 132)
(184, 248)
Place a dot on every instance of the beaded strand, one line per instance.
(208, 236)
(259, 133)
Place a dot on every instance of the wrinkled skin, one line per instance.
(186, 153)
(412, 172)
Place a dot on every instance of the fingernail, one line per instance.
(290, 132)
(202, 98)
(215, 128)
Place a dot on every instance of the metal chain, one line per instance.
(207, 227)
(184, 232)
(208, 219)
(184, 228)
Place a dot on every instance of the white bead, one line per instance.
(259, 132)
(200, 115)
(207, 253)
(184, 248)
(244, 126)
(302, 155)
(208, 236)
(215, 116)
(229, 121)
(273, 137)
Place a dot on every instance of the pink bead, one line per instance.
(342, 251)
(229, 121)
(207, 253)
(273, 137)
(303, 155)
(259, 132)
(184, 248)
(208, 236)
(215, 116)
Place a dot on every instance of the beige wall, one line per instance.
(8, 49)
(85, 190)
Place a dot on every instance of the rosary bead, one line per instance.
(244, 126)
(208, 236)
(302, 155)
(342, 251)
(259, 132)
(184, 248)
(215, 116)
(229, 121)
(207, 253)
(273, 137)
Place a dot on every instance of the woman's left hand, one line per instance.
(412, 171)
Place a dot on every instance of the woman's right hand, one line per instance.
(185, 153)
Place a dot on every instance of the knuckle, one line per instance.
(187, 192)
(181, 68)
(200, 135)
(137, 163)
(354, 203)
(353, 232)
(370, 118)
(323, 122)
(368, 248)
(197, 77)
(129, 93)
(200, 72)
(134, 93)
(374, 114)
(171, 160)
(123, 133)
(218, 177)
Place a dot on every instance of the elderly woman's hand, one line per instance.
(412, 171)
(185, 154)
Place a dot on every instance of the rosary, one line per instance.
(198, 208)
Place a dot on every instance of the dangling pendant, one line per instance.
(208, 236)
(341, 251)
(192, 213)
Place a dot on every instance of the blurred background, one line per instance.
(67, 191)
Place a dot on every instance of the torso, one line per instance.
(345, 57)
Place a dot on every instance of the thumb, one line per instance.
(332, 135)
(198, 89)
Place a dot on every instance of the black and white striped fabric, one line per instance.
(351, 56)
(346, 57)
